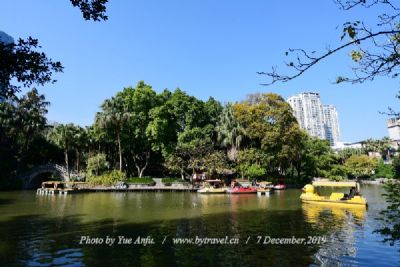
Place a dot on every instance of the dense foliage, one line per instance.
(22, 65)
(172, 134)
(23, 142)
(390, 217)
(107, 178)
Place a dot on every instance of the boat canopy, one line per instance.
(242, 181)
(335, 184)
(266, 183)
(62, 182)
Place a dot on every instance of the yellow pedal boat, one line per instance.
(354, 198)
(213, 187)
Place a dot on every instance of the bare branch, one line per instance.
(302, 67)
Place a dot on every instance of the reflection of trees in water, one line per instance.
(339, 224)
(36, 239)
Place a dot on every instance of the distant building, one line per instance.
(346, 145)
(318, 120)
(331, 124)
(393, 126)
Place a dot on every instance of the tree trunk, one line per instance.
(98, 162)
(298, 172)
(119, 151)
(141, 169)
(77, 160)
(66, 161)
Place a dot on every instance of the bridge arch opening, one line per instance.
(36, 181)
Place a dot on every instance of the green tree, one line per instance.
(92, 9)
(177, 128)
(22, 128)
(254, 171)
(196, 144)
(22, 62)
(63, 136)
(251, 159)
(139, 102)
(396, 166)
(230, 132)
(80, 142)
(348, 152)
(113, 118)
(362, 165)
(384, 170)
(314, 158)
(269, 124)
(176, 113)
(216, 163)
(390, 217)
(97, 165)
(30, 116)
(213, 109)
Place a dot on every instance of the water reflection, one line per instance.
(45, 231)
(339, 224)
(328, 216)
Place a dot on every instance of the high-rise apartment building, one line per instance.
(318, 120)
(331, 124)
(393, 125)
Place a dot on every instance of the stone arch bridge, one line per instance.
(30, 178)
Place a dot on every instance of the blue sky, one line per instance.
(207, 48)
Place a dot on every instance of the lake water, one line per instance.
(51, 230)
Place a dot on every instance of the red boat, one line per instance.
(280, 187)
(242, 187)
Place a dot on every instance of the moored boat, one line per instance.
(264, 188)
(213, 187)
(280, 187)
(242, 187)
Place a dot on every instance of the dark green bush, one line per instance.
(170, 180)
(107, 179)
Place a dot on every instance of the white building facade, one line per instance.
(393, 125)
(318, 120)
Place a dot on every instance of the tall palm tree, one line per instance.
(385, 145)
(62, 135)
(230, 132)
(113, 117)
(80, 141)
(381, 146)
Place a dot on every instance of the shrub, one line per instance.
(97, 165)
(384, 170)
(171, 180)
(254, 171)
(336, 178)
(396, 166)
(108, 178)
(141, 180)
(361, 166)
(337, 173)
